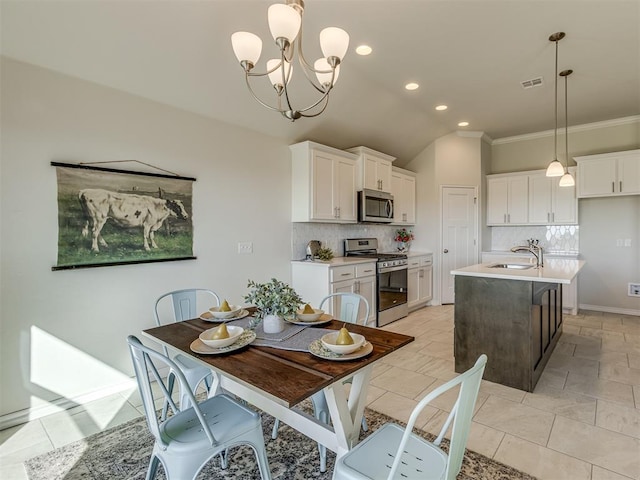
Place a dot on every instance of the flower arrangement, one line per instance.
(273, 298)
(403, 235)
(324, 254)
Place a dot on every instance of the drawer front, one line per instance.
(345, 272)
(426, 261)
(365, 270)
(414, 262)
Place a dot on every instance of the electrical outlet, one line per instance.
(245, 247)
(634, 290)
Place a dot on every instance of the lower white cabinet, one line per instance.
(420, 281)
(315, 280)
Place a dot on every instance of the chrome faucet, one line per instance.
(535, 249)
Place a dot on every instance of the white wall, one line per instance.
(455, 159)
(79, 319)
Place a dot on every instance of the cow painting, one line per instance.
(126, 210)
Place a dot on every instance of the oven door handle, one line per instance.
(392, 269)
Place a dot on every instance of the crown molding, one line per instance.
(475, 134)
(576, 128)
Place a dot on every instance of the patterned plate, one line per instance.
(324, 318)
(208, 317)
(316, 348)
(245, 339)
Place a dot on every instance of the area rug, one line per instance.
(122, 453)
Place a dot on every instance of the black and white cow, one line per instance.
(126, 210)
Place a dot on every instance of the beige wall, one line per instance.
(63, 333)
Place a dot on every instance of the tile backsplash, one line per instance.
(555, 239)
(332, 236)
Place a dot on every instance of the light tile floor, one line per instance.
(582, 421)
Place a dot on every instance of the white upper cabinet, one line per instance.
(373, 169)
(549, 203)
(609, 174)
(323, 184)
(403, 189)
(507, 199)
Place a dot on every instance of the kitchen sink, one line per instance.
(513, 266)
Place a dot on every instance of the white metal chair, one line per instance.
(348, 306)
(185, 307)
(393, 452)
(192, 436)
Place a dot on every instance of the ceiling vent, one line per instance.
(534, 82)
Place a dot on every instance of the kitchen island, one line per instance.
(512, 314)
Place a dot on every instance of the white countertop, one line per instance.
(336, 261)
(555, 270)
(415, 253)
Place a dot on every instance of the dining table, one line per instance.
(276, 379)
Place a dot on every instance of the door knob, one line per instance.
(446, 250)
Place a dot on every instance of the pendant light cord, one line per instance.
(555, 135)
(566, 123)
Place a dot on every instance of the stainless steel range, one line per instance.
(391, 278)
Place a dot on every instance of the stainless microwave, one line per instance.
(375, 206)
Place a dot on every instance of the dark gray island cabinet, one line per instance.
(515, 319)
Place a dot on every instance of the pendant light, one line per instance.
(555, 168)
(567, 179)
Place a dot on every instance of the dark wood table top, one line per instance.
(288, 375)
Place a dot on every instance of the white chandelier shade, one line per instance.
(555, 169)
(285, 24)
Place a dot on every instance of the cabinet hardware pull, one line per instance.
(548, 217)
(553, 217)
(504, 218)
(620, 186)
(613, 187)
(367, 271)
(345, 274)
(421, 274)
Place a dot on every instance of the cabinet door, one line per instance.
(323, 197)
(413, 287)
(398, 197)
(497, 196)
(370, 173)
(426, 284)
(383, 172)
(409, 189)
(517, 210)
(629, 175)
(596, 177)
(366, 286)
(540, 198)
(345, 191)
(564, 203)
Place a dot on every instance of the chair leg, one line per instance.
(153, 467)
(365, 427)
(274, 432)
(224, 459)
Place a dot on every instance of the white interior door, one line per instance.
(459, 235)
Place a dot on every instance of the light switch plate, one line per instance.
(634, 290)
(245, 247)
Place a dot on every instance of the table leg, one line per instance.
(346, 413)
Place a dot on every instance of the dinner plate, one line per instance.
(316, 348)
(208, 317)
(245, 339)
(324, 318)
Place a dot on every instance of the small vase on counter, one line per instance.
(403, 247)
(272, 324)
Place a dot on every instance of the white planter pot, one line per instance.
(272, 324)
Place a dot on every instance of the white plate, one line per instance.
(324, 318)
(316, 348)
(245, 339)
(208, 317)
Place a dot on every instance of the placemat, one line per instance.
(299, 342)
(289, 330)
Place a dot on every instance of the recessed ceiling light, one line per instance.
(363, 50)
(463, 124)
(411, 86)
(441, 107)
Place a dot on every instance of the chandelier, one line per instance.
(285, 24)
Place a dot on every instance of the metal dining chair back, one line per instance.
(193, 435)
(184, 306)
(396, 452)
(346, 306)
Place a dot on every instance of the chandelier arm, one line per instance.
(258, 99)
(306, 66)
(318, 113)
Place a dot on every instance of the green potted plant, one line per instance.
(274, 301)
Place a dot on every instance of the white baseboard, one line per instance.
(60, 404)
(599, 308)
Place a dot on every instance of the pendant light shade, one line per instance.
(567, 179)
(284, 21)
(555, 168)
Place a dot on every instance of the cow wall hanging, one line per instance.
(113, 217)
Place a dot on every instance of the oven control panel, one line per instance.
(393, 263)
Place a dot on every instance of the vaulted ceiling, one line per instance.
(471, 55)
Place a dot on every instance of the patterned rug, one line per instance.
(123, 452)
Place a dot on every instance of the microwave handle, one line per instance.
(389, 209)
